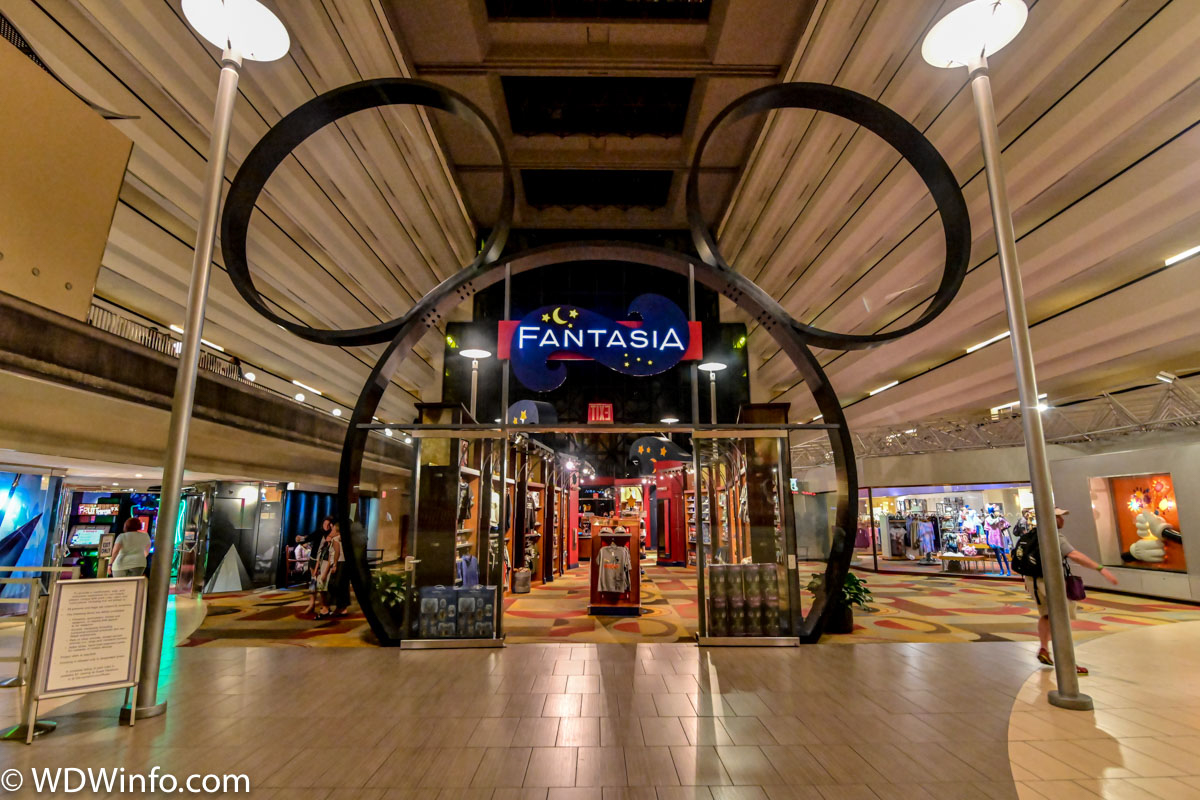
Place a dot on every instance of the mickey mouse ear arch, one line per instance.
(245, 26)
(978, 28)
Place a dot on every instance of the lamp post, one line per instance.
(965, 38)
(242, 29)
(474, 355)
(712, 368)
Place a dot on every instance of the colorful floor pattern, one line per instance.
(911, 608)
(272, 619)
(906, 608)
(557, 612)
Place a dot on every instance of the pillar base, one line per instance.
(144, 712)
(1080, 702)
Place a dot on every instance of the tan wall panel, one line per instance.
(61, 167)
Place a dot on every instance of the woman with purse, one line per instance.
(1038, 593)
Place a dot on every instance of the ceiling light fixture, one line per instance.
(883, 388)
(337, 412)
(981, 26)
(408, 440)
(250, 376)
(992, 340)
(246, 26)
(138, 475)
(387, 432)
(300, 396)
(309, 388)
(817, 417)
(1166, 377)
(1175, 259)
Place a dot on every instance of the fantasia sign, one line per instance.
(659, 340)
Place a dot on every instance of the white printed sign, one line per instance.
(93, 636)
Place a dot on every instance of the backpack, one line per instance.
(1026, 555)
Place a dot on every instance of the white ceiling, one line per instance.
(1097, 101)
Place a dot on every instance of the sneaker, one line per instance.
(1044, 657)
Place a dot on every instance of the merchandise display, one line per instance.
(744, 600)
(967, 528)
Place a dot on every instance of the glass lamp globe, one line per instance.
(980, 27)
(247, 26)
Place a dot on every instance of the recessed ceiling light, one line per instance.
(883, 388)
(250, 376)
(1181, 256)
(337, 412)
(115, 483)
(992, 340)
(300, 396)
(408, 440)
(138, 475)
(387, 432)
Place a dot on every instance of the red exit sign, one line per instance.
(600, 412)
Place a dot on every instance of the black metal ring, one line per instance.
(898, 132)
(289, 132)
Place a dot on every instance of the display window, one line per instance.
(966, 528)
(1146, 522)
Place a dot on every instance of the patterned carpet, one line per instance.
(951, 609)
(906, 609)
(557, 612)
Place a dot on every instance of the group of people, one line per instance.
(328, 579)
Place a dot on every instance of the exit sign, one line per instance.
(600, 412)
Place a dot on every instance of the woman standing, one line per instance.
(130, 551)
(328, 558)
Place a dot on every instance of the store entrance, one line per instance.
(694, 540)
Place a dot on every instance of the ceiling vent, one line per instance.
(597, 188)
(597, 106)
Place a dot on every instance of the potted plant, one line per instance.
(391, 589)
(840, 618)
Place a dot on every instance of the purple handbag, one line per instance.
(1075, 589)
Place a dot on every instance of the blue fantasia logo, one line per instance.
(657, 341)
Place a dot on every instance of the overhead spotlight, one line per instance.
(337, 412)
(300, 397)
(1166, 377)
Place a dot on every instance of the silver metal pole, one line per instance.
(185, 390)
(1067, 695)
(474, 386)
(712, 396)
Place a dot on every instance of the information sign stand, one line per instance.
(89, 640)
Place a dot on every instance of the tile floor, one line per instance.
(656, 722)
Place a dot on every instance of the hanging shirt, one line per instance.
(467, 571)
(614, 563)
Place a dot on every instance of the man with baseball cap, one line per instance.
(1038, 593)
